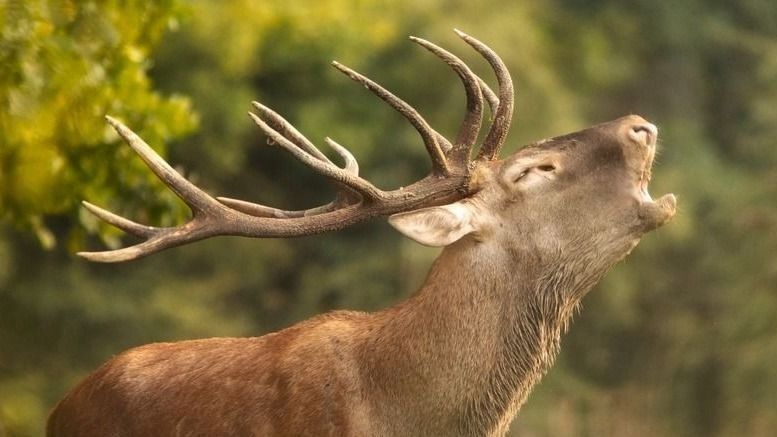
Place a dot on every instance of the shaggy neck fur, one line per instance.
(466, 350)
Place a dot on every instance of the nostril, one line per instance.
(648, 128)
(644, 133)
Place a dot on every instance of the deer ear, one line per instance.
(438, 225)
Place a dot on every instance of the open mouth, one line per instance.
(644, 179)
(654, 213)
(646, 136)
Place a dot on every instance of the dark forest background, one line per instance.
(680, 339)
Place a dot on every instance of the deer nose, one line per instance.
(644, 133)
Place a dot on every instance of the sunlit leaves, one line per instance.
(63, 66)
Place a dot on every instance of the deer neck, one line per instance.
(477, 336)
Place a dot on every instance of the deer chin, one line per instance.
(656, 213)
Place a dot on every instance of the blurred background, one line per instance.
(680, 339)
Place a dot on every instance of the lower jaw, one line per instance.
(657, 213)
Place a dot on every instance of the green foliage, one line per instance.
(63, 65)
(678, 340)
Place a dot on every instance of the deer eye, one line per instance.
(540, 168)
(520, 175)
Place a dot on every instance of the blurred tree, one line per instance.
(63, 66)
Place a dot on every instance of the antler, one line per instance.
(357, 199)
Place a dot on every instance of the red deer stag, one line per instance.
(525, 238)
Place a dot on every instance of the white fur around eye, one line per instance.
(516, 172)
(530, 174)
(534, 178)
(519, 176)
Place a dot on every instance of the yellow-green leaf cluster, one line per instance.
(63, 66)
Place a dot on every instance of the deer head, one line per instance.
(525, 236)
(582, 193)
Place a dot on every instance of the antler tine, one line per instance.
(491, 98)
(204, 208)
(361, 186)
(351, 164)
(289, 131)
(470, 126)
(429, 135)
(120, 222)
(198, 200)
(166, 238)
(504, 113)
(259, 210)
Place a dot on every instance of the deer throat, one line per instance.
(468, 356)
(530, 340)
